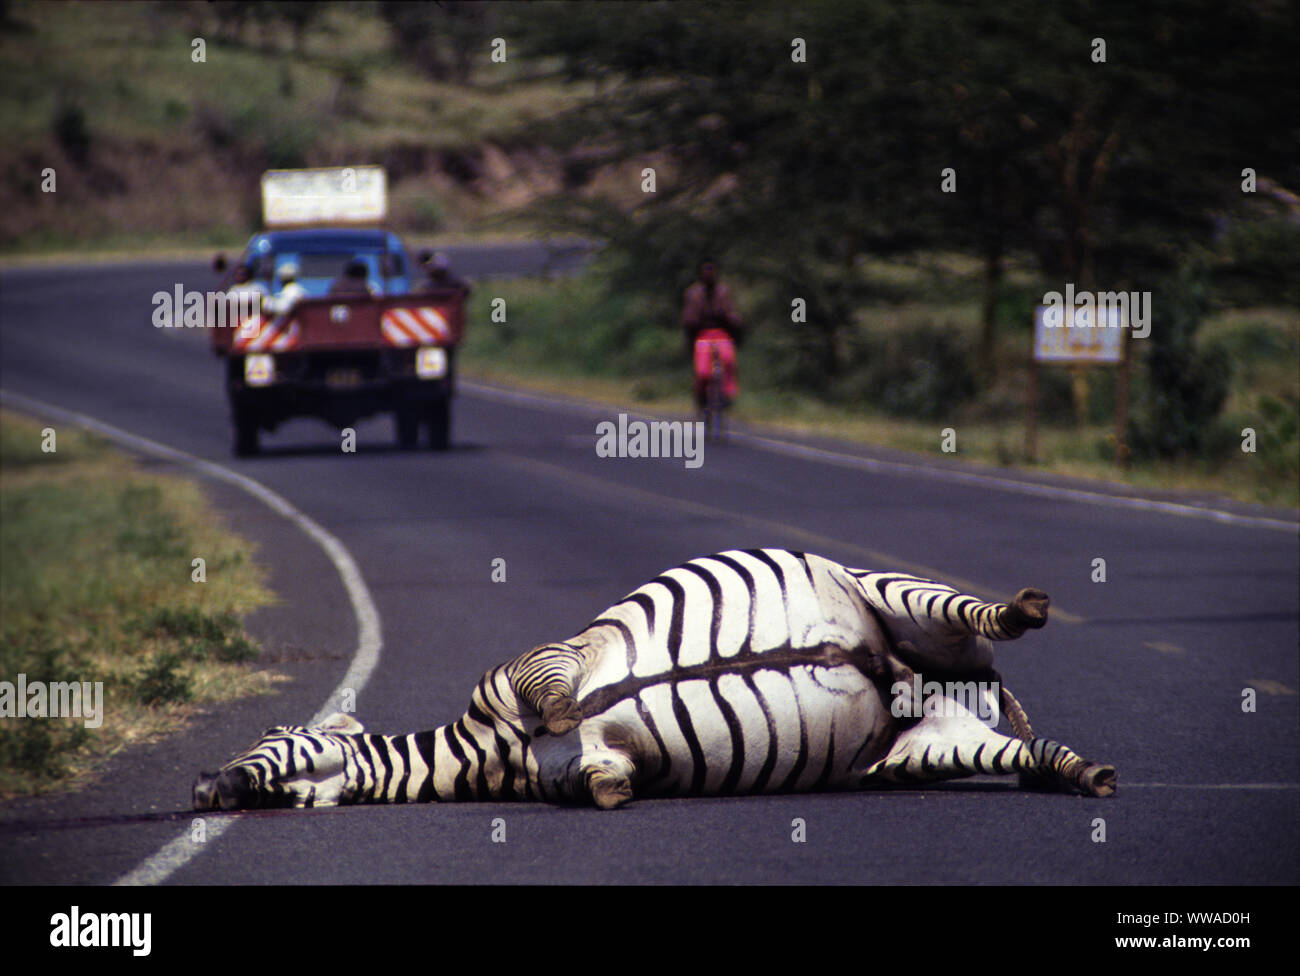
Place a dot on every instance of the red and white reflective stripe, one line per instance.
(414, 326)
(287, 338)
(263, 335)
(248, 330)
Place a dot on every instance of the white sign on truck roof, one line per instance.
(335, 195)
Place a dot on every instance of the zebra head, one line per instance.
(289, 766)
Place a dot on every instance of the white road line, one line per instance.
(1208, 786)
(369, 638)
(926, 471)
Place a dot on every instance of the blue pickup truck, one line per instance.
(361, 334)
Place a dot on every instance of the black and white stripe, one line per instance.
(748, 671)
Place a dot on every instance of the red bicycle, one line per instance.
(715, 380)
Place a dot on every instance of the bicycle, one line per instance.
(714, 402)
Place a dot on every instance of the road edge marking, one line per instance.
(159, 866)
(989, 481)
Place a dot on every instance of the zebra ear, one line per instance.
(340, 724)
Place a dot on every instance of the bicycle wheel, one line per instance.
(716, 402)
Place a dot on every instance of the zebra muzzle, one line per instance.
(205, 792)
(229, 790)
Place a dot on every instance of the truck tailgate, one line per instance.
(422, 319)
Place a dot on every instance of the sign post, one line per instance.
(1079, 342)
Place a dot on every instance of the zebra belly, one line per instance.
(761, 731)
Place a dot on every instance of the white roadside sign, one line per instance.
(338, 195)
(1078, 340)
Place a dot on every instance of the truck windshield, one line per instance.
(331, 266)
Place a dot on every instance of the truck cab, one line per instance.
(321, 256)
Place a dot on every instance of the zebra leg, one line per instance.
(936, 611)
(1071, 771)
(968, 615)
(956, 745)
(936, 628)
(1029, 779)
(1014, 713)
(545, 679)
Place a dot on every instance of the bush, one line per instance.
(162, 682)
(1250, 345)
(41, 747)
(286, 141)
(1277, 436)
(203, 637)
(1186, 386)
(427, 215)
(923, 373)
(69, 126)
(1265, 262)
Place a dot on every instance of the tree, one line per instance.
(1101, 138)
(763, 157)
(440, 39)
(1187, 386)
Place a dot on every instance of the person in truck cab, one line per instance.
(290, 291)
(440, 277)
(352, 281)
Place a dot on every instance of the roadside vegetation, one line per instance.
(154, 151)
(96, 586)
(911, 375)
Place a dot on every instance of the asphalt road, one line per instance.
(1145, 670)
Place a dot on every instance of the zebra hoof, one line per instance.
(1028, 611)
(1098, 779)
(561, 715)
(610, 792)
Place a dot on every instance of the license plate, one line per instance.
(343, 377)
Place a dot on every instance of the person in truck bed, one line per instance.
(439, 276)
(245, 283)
(352, 281)
(290, 291)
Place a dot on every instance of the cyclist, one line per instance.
(712, 327)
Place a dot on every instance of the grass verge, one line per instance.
(568, 336)
(98, 584)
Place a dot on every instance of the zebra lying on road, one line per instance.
(760, 671)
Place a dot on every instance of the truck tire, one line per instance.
(439, 421)
(246, 432)
(406, 422)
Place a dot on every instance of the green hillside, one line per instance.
(150, 147)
